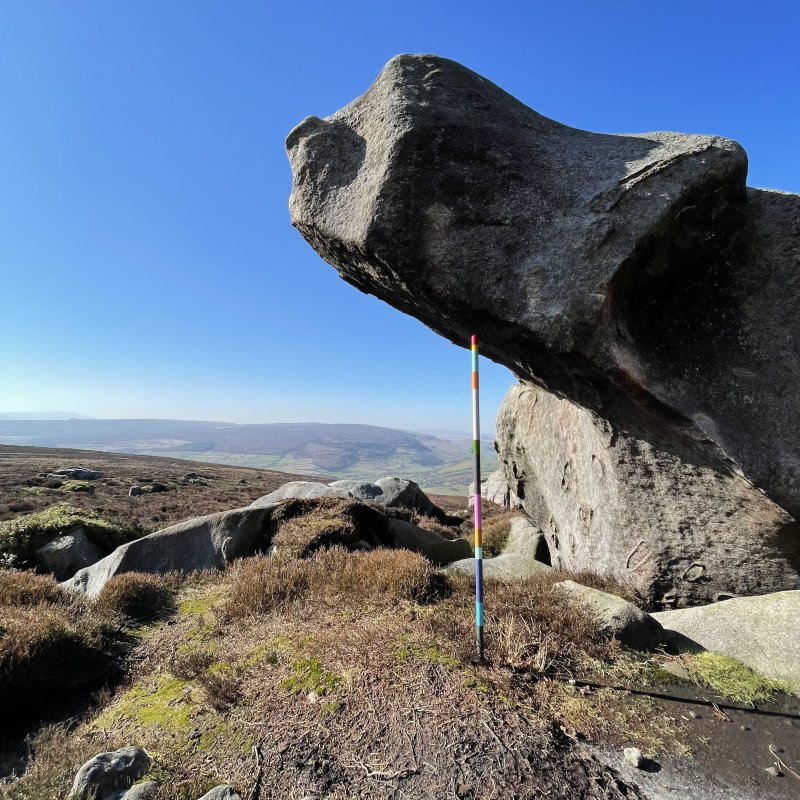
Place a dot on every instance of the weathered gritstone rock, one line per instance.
(201, 543)
(519, 559)
(762, 632)
(66, 554)
(616, 616)
(214, 541)
(388, 492)
(109, 772)
(632, 277)
(648, 505)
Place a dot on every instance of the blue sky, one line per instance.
(147, 263)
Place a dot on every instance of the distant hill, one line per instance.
(38, 415)
(342, 451)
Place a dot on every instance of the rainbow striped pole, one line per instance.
(476, 451)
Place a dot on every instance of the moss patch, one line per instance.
(730, 678)
(21, 537)
(308, 675)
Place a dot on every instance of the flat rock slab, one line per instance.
(762, 632)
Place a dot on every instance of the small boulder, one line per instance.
(519, 556)
(435, 548)
(617, 616)
(633, 755)
(222, 792)
(67, 554)
(134, 491)
(139, 791)
(109, 772)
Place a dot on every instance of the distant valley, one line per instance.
(368, 452)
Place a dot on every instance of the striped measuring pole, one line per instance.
(476, 453)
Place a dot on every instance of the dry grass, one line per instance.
(349, 686)
(303, 526)
(136, 597)
(29, 589)
(265, 584)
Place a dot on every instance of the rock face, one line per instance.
(67, 554)
(109, 772)
(621, 496)
(645, 298)
(761, 632)
(214, 541)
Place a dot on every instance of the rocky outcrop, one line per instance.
(214, 541)
(762, 632)
(497, 490)
(387, 492)
(201, 543)
(519, 559)
(645, 504)
(645, 298)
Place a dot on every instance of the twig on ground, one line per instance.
(782, 763)
(256, 791)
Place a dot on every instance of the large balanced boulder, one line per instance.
(200, 543)
(644, 297)
(762, 632)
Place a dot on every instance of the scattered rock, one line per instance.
(762, 632)
(519, 556)
(134, 491)
(67, 554)
(201, 543)
(154, 488)
(139, 791)
(222, 792)
(676, 669)
(617, 616)
(640, 437)
(76, 474)
(633, 755)
(773, 772)
(109, 772)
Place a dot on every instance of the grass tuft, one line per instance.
(136, 597)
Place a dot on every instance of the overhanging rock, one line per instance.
(634, 277)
